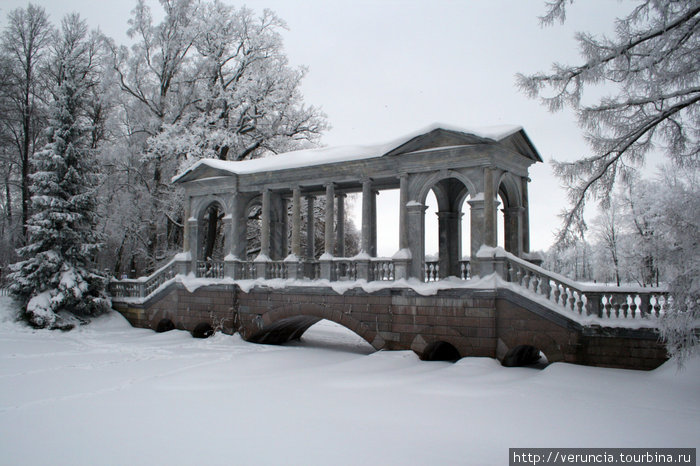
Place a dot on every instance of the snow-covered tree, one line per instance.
(653, 63)
(209, 80)
(607, 231)
(56, 275)
(248, 99)
(678, 254)
(23, 51)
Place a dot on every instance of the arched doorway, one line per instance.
(212, 234)
(447, 213)
(511, 215)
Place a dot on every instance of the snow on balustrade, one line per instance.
(602, 302)
(144, 286)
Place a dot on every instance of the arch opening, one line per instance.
(313, 332)
(447, 228)
(525, 356)
(440, 351)
(212, 237)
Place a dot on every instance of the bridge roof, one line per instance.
(512, 138)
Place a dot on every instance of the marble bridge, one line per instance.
(494, 302)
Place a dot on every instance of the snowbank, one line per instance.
(106, 393)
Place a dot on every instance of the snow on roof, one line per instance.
(325, 155)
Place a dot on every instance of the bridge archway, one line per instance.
(440, 351)
(291, 321)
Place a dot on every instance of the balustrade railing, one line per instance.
(465, 269)
(431, 271)
(344, 269)
(597, 301)
(144, 286)
(276, 269)
(210, 269)
(381, 269)
(375, 269)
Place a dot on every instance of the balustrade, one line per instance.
(276, 269)
(431, 271)
(344, 269)
(597, 301)
(382, 270)
(465, 269)
(143, 287)
(210, 269)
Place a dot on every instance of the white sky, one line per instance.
(384, 68)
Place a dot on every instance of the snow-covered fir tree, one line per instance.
(56, 275)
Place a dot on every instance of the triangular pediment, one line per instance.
(516, 141)
(438, 138)
(201, 171)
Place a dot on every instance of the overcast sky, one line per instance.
(381, 69)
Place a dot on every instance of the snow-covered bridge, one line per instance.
(492, 303)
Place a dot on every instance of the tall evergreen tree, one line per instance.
(56, 274)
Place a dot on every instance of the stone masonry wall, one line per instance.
(484, 323)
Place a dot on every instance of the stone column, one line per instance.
(329, 242)
(265, 226)
(340, 226)
(403, 211)
(365, 243)
(186, 225)
(284, 229)
(239, 227)
(293, 260)
(310, 234)
(512, 224)
(296, 222)
(490, 222)
(476, 205)
(373, 230)
(415, 220)
(235, 252)
(448, 226)
(264, 256)
(402, 259)
(525, 232)
(194, 242)
(366, 232)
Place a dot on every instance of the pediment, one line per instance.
(202, 171)
(438, 138)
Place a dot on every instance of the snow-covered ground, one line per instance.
(107, 393)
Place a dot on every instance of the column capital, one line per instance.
(414, 206)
